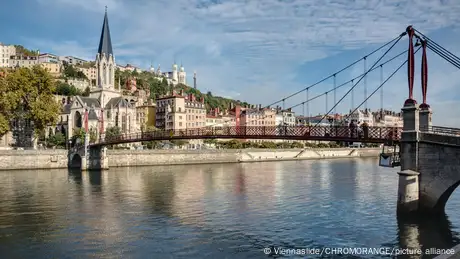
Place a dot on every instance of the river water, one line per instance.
(210, 211)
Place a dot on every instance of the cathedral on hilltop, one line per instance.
(174, 77)
(105, 107)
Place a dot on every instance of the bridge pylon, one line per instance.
(88, 157)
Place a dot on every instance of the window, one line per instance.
(180, 124)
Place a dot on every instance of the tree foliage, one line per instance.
(66, 89)
(20, 50)
(28, 93)
(158, 86)
(112, 132)
(72, 72)
(57, 140)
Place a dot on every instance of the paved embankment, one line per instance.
(50, 159)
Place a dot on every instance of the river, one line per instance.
(210, 211)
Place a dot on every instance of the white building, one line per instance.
(6, 51)
(176, 76)
(361, 116)
(106, 107)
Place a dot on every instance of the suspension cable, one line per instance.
(365, 81)
(335, 97)
(384, 54)
(341, 70)
(381, 91)
(352, 80)
(437, 45)
(353, 95)
(381, 85)
(443, 55)
(308, 107)
(308, 100)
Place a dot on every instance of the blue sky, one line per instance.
(254, 50)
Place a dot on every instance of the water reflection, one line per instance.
(425, 233)
(208, 211)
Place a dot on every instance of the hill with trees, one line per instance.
(159, 86)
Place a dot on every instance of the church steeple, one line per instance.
(105, 43)
(105, 60)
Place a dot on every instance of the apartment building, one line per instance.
(48, 58)
(90, 72)
(72, 60)
(257, 117)
(23, 61)
(6, 51)
(170, 112)
(195, 112)
(145, 115)
(53, 68)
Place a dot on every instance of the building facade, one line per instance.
(170, 113)
(6, 51)
(105, 107)
(53, 68)
(23, 61)
(195, 111)
(145, 115)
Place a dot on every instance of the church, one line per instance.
(105, 107)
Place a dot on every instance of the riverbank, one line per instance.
(54, 159)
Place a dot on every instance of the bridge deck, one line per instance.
(319, 133)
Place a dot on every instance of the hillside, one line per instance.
(159, 87)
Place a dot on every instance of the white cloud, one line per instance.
(253, 49)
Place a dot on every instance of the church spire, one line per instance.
(105, 43)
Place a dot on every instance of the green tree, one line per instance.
(66, 89)
(87, 91)
(112, 132)
(29, 93)
(72, 72)
(20, 50)
(78, 133)
(57, 140)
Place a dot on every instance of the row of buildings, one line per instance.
(107, 107)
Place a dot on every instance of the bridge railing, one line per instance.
(328, 133)
(441, 130)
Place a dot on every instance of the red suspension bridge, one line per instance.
(349, 133)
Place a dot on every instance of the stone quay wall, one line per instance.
(33, 159)
(54, 159)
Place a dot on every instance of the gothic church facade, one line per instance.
(105, 107)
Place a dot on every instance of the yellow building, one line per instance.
(53, 68)
(145, 115)
(170, 112)
(90, 72)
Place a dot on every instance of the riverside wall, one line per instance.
(54, 159)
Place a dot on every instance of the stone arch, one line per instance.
(442, 201)
(75, 161)
(133, 102)
(438, 166)
(78, 120)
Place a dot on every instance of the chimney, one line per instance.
(202, 99)
(260, 106)
(217, 111)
